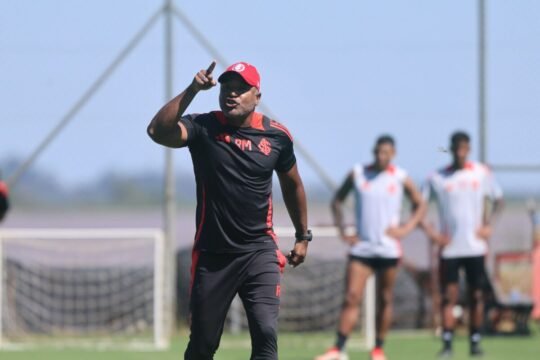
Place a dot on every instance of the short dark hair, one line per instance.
(385, 139)
(459, 137)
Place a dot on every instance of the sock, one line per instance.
(379, 343)
(340, 341)
(447, 337)
(475, 336)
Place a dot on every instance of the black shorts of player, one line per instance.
(475, 271)
(255, 277)
(376, 263)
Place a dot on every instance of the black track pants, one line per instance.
(217, 279)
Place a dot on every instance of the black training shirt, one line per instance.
(233, 169)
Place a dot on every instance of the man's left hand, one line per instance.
(298, 254)
(484, 232)
(397, 232)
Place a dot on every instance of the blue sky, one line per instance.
(337, 73)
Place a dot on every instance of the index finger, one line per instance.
(211, 68)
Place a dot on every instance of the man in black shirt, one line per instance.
(234, 153)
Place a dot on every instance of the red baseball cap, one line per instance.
(247, 71)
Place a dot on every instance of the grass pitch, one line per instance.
(413, 346)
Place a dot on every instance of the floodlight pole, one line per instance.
(169, 211)
(482, 119)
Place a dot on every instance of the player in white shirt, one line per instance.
(375, 248)
(460, 191)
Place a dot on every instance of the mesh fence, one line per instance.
(312, 296)
(70, 288)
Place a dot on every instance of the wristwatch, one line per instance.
(301, 237)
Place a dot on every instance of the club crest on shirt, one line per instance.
(265, 146)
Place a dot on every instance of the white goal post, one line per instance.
(101, 288)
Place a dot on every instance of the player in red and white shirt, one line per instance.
(375, 248)
(4, 200)
(460, 191)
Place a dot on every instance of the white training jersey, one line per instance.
(379, 195)
(460, 199)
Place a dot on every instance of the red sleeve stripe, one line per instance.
(278, 126)
(194, 261)
(269, 222)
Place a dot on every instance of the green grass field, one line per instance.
(417, 346)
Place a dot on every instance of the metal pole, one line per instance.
(83, 100)
(482, 119)
(169, 211)
(370, 311)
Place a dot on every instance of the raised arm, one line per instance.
(294, 196)
(337, 208)
(165, 128)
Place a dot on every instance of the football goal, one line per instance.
(102, 288)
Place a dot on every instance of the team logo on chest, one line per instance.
(242, 144)
(265, 146)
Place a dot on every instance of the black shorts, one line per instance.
(375, 263)
(475, 271)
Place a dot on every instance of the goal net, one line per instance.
(93, 287)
